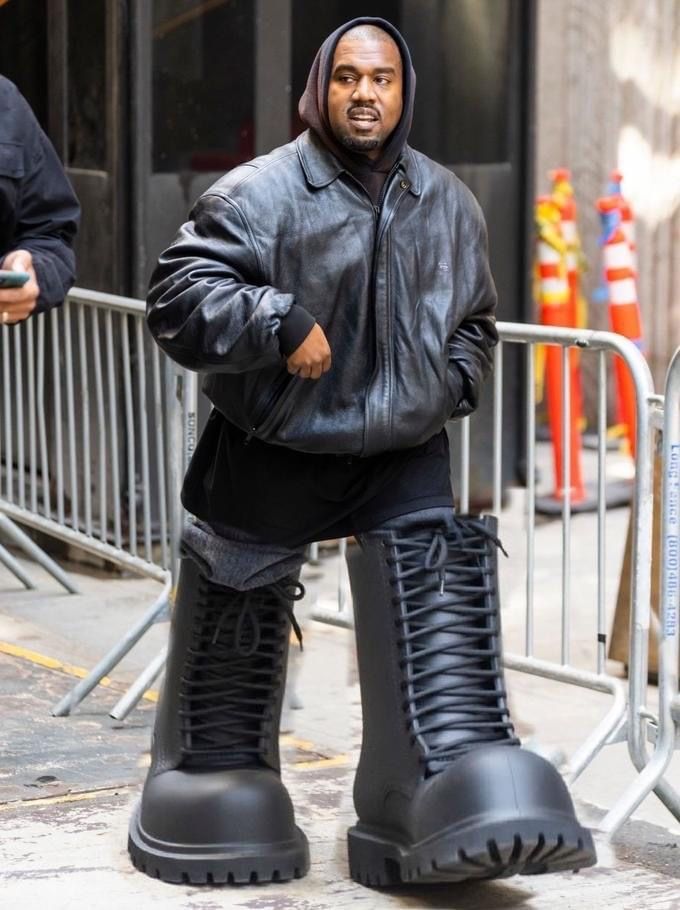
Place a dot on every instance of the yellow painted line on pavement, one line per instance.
(319, 763)
(304, 745)
(65, 798)
(42, 660)
(287, 739)
(50, 663)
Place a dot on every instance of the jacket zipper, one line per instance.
(262, 412)
(267, 408)
(377, 210)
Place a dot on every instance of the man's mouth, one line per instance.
(363, 115)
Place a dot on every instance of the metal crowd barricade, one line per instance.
(614, 726)
(623, 720)
(100, 467)
(663, 727)
(129, 429)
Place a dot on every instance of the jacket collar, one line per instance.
(321, 167)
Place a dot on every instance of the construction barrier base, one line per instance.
(618, 494)
(590, 441)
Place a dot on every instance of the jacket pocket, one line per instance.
(270, 403)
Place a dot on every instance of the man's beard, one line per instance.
(359, 143)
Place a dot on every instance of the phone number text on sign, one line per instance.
(672, 543)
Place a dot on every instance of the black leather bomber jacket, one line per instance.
(403, 293)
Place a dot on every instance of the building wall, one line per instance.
(608, 95)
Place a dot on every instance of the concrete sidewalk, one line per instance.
(67, 784)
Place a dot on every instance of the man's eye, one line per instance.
(382, 80)
(346, 79)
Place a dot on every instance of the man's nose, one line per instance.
(364, 90)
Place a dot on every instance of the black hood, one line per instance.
(313, 106)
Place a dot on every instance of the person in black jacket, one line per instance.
(39, 212)
(337, 296)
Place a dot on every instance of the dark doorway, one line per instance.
(69, 59)
(23, 59)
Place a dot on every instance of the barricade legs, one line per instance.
(340, 613)
(136, 691)
(14, 567)
(181, 403)
(156, 613)
(22, 540)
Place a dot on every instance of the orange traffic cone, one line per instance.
(563, 197)
(624, 311)
(625, 208)
(554, 300)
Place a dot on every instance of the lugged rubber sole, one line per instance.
(221, 864)
(516, 847)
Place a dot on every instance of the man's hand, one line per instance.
(17, 304)
(313, 357)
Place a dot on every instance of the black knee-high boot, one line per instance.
(443, 790)
(214, 808)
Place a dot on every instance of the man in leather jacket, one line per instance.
(327, 251)
(336, 294)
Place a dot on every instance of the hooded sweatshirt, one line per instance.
(313, 109)
(371, 173)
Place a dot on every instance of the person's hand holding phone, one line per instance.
(17, 303)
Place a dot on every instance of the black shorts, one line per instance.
(289, 497)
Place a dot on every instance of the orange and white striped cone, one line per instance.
(563, 198)
(553, 293)
(624, 310)
(627, 218)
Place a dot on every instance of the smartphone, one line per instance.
(13, 279)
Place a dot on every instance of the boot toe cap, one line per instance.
(198, 808)
(492, 784)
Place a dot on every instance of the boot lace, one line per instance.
(234, 671)
(451, 660)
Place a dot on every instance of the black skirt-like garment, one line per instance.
(287, 497)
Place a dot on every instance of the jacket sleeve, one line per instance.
(207, 306)
(47, 214)
(471, 345)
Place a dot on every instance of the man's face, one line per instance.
(365, 92)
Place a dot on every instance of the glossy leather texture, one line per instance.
(403, 292)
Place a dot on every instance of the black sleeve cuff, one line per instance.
(294, 328)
